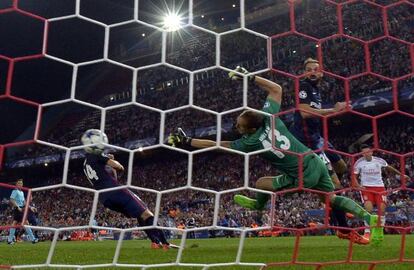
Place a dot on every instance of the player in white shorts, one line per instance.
(369, 170)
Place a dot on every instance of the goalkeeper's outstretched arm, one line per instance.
(179, 138)
(273, 89)
(199, 143)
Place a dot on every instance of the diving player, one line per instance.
(101, 171)
(257, 134)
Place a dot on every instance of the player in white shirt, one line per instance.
(369, 170)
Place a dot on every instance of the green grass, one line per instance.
(220, 250)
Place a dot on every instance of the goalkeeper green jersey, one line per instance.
(283, 139)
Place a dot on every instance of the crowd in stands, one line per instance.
(401, 23)
(369, 28)
(166, 88)
(316, 18)
(63, 207)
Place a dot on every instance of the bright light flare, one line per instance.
(172, 22)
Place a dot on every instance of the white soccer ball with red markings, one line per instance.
(96, 137)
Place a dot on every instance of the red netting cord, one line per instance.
(9, 79)
(298, 232)
(1, 156)
(374, 120)
(8, 95)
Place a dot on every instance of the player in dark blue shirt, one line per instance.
(307, 127)
(101, 171)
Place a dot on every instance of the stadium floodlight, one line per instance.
(172, 22)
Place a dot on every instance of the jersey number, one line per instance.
(285, 143)
(91, 173)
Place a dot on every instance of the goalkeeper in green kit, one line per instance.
(256, 131)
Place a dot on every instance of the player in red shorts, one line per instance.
(369, 169)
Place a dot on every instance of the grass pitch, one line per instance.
(219, 250)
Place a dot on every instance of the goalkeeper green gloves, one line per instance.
(236, 76)
(179, 138)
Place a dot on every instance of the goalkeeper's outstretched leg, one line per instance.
(282, 182)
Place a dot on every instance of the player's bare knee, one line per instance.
(146, 214)
(335, 181)
(382, 208)
(265, 183)
(368, 206)
(340, 167)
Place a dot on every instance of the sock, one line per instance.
(149, 232)
(19, 233)
(162, 237)
(152, 235)
(340, 218)
(157, 232)
(367, 229)
(348, 205)
(261, 200)
(30, 234)
(383, 220)
(11, 235)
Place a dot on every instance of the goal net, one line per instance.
(139, 69)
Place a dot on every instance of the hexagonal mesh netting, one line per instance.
(138, 81)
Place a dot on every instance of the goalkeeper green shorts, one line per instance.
(315, 176)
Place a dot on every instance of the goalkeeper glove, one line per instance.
(236, 76)
(179, 138)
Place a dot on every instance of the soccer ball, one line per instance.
(94, 136)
